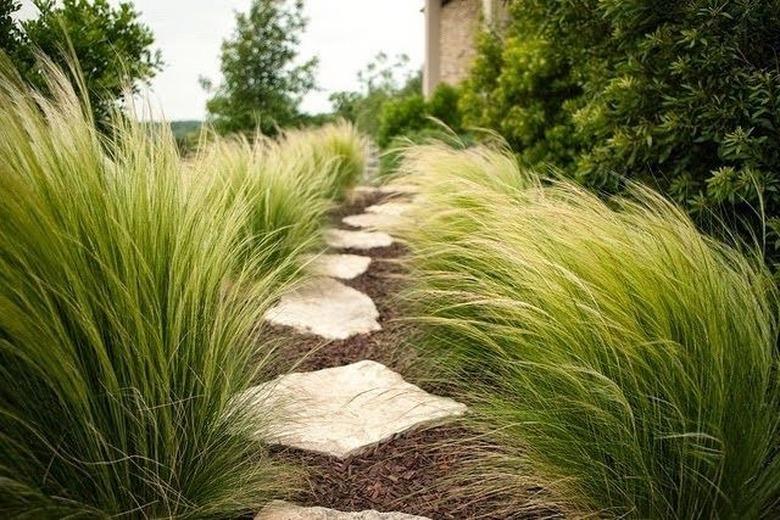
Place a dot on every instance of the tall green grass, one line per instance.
(623, 359)
(286, 209)
(336, 154)
(130, 296)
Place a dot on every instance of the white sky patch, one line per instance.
(344, 34)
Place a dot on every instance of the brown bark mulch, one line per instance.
(413, 472)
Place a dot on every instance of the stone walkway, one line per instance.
(345, 410)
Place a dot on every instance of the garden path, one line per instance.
(345, 411)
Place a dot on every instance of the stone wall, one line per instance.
(460, 21)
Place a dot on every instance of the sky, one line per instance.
(344, 34)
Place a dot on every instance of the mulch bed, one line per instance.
(411, 473)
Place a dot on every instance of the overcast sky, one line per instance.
(344, 34)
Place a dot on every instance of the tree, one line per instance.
(381, 81)
(112, 47)
(262, 86)
(10, 35)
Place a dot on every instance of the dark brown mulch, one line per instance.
(412, 473)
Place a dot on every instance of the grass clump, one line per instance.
(336, 155)
(623, 358)
(129, 301)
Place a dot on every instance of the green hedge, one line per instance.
(682, 95)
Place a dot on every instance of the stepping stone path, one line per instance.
(344, 410)
(279, 510)
(327, 308)
(343, 239)
(344, 267)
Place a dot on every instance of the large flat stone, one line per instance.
(341, 411)
(367, 190)
(327, 308)
(344, 267)
(395, 209)
(279, 510)
(399, 188)
(343, 239)
(373, 221)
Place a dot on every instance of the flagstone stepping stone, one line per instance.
(280, 510)
(367, 190)
(341, 411)
(345, 267)
(399, 188)
(343, 239)
(373, 221)
(327, 308)
(395, 209)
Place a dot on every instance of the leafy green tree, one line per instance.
(262, 86)
(383, 80)
(112, 47)
(10, 35)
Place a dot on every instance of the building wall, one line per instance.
(459, 21)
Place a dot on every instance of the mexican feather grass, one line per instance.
(129, 302)
(617, 355)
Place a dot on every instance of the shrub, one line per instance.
(519, 85)
(625, 358)
(129, 303)
(401, 115)
(680, 95)
(410, 114)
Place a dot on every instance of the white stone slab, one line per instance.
(343, 239)
(341, 411)
(395, 209)
(327, 308)
(399, 188)
(367, 190)
(344, 267)
(279, 510)
(373, 221)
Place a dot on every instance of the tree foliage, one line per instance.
(682, 95)
(383, 80)
(112, 47)
(262, 84)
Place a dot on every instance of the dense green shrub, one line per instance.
(519, 86)
(615, 355)
(401, 115)
(407, 115)
(681, 95)
(112, 46)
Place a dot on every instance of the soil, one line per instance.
(413, 472)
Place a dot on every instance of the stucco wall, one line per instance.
(459, 23)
